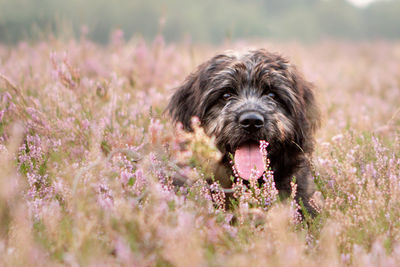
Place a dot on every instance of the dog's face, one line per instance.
(243, 99)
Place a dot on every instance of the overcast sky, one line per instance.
(361, 2)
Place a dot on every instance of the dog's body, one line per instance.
(244, 99)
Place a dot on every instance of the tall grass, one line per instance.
(87, 160)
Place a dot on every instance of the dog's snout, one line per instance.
(251, 120)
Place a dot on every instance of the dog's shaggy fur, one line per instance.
(265, 84)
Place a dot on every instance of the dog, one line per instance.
(242, 99)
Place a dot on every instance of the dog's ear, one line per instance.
(306, 100)
(310, 117)
(182, 105)
(312, 111)
(185, 103)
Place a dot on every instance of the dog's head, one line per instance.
(243, 99)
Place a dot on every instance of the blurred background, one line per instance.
(207, 21)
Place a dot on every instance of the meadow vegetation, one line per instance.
(87, 160)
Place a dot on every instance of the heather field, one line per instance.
(87, 160)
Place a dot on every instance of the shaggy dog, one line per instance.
(244, 99)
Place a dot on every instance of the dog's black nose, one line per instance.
(251, 120)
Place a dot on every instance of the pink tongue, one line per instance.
(248, 161)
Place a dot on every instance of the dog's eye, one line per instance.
(227, 96)
(271, 95)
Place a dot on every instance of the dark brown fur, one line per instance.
(290, 112)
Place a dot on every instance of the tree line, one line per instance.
(201, 21)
